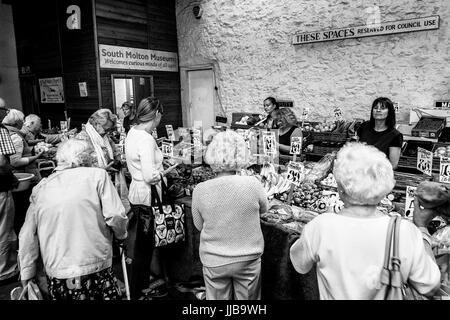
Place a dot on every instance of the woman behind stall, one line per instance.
(380, 130)
(348, 248)
(287, 126)
(72, 219)
(145, 164)
(226, 210)
(270, 107)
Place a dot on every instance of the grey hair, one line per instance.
(101, 116)
(74, 153)
(29, 119)
(14, 118)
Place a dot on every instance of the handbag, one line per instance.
(391, 278)
(29, 292)
(168, 219)
(122, 189)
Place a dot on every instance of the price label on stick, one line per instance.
(295, 172)
(424, 161)
(338, 113)
(269, 143)
(305, 113)
(167, 149)
(170, 132)
(409, 202)
(296, 145)
(444, 172)
(397, 107)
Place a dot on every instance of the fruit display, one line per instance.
(273, 182)
(42, 146)
(321, 169)
(327, 126)
(442, 152)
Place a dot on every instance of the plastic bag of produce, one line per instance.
(441, 240)
(321, 168)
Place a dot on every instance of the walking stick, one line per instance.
(125, 274)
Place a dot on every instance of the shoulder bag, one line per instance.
(169, 225)
(391, 278)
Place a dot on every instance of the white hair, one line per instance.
(101, 116)
(227, 152)
(363, 173)
(14, 118)
(74, 153)
(30, 119)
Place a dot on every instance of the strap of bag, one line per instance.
(396, 276)
(156, 201)
(387, 251)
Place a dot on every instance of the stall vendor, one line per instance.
(32, 128)
(270, 107)
(287, 124)
(380, 130)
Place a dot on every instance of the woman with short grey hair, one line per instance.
(73, 216)
(348, 248)
(95, 131)
(226, 211)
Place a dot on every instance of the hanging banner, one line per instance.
(444, 170)
(392, 27)
(52, 90)
(296, 145)
(115, 57)
(424, 160)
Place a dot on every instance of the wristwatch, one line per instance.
(425, 235)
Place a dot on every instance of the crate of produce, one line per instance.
(408, 157)
(324, 147)
(429, 127)
(329, 136)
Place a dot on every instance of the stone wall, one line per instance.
(250, 43)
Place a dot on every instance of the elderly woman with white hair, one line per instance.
(73, 216)
(21, 161)
(348, 248)
(95, 131)
(226, 210)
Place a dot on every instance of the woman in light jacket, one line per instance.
(73, 216)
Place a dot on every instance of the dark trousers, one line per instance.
(21, 204)
(139, 244)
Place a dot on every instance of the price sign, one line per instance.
(197, 141)
(409, 202)
(305, 113)
(155, 134)
(338, 113)
(167, 149)
(296, 145)
(397, 107)
(63, 125)
(170, 133)
(444, 172)
(295, 172)
(424, 160)
(269, 143)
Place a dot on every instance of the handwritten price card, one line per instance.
(424, 161)
(338, 113)
(295, 172)
(269, 143)
(444, 172)
(409, 202)
(170, 132)
(296, 145)
(167, 149)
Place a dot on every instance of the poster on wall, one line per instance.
(51, 90)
